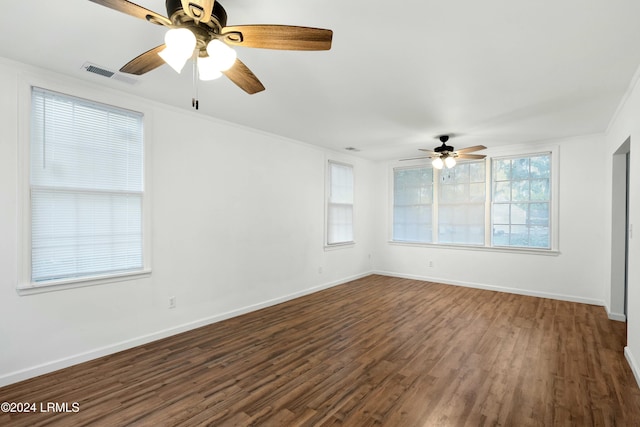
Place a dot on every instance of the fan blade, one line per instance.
(199, 10)
(242, 76)
(470, 156)
(427, 151)
(150, 60)
(416, 158)
(133, 9)
(471, 149)
(282, 37)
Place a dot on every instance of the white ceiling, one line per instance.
(399, 73)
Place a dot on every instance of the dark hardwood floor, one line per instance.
(376, 351)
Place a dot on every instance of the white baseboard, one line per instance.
(560, 297)
(632, 363)
(617, 316)
(45, 368)
(620, 317)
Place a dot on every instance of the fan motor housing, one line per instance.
(218, 14)
(443, 148)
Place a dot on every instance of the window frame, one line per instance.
(327, 168)
(499, 152)
(25, 285)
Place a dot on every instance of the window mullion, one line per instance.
(488, 204)
(435, 205)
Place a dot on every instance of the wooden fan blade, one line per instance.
(415, 158)
(470, 156)
(471, 149)
(282, 37)
(133, 9)
(427, 151)
(150, 60)
(242, 76)
(199, 10)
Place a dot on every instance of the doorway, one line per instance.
(619, 231)
(627, 237)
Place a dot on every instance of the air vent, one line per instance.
(101, 71)
(104, 72)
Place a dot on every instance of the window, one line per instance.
(87, 188)
(340, 204)
(412, 204)
(461, 204)
(521, 201)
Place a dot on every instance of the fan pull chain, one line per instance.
(194, 101)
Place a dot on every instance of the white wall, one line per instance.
(575, 274)
(237, 224)
(626, 125)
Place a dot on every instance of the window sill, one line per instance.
(528, 251)
(59, 285)
(336, 246)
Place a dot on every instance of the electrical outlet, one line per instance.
(431, 263)
(172, 302)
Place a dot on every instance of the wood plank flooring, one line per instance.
(376, 351)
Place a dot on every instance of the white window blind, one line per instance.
(412, 204)
(340, 204)
(86, 179)
(461, 204)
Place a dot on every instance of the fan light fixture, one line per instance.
(207, 69)
(180, 44)
(222, 55)
(450, 162)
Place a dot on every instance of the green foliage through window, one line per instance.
(521, 204)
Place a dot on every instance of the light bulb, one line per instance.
(437, 163)
(180, 39)
(207, 69)
(175, 59)
(450, 162)
(223, 56)
(180, 43)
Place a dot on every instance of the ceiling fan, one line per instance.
(447, 155)
(198, 29)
